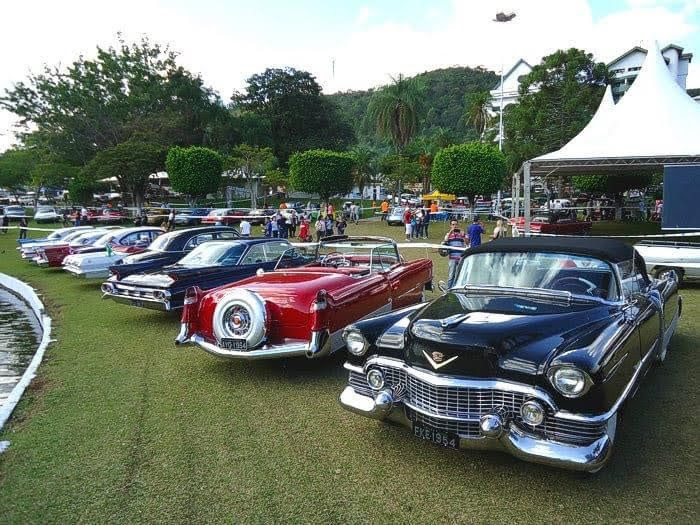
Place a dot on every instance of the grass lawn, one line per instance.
(122, 426)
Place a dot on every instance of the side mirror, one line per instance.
(442, 286)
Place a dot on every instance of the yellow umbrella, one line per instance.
(437, 196)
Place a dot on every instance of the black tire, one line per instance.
(659, 272)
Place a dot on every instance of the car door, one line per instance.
(642, 311)
(404, 279)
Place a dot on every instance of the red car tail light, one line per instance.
(319, 311)
(192, 296)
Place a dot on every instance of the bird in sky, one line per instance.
(503, 17)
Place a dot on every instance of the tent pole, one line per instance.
(516, 203)
(526, 196)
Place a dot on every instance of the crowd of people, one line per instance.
(328, 222)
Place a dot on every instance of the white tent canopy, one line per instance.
(655, 119)
(655, 124)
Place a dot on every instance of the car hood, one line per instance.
(506, 335)
(163, 277)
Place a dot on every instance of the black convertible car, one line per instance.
(209, 265)
(170, 248)
(532, 351)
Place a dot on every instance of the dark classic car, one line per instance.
(302, 311)
(209, 265)
(169, 248)
(532, 351)
(557, 222)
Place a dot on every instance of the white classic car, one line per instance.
(660, 257)
(28, 247)
(46, 214)
(117, 244)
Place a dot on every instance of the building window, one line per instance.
(616, 71)
(634, 68)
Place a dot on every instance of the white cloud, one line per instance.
(226, 50)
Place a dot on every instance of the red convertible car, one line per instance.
(303, 310)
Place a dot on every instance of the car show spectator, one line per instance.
(65, 217)
(433, 207)
(407, 222)
(456, 239)
(418, 231)
(171, 220)
(320, 227)
(275, 225)
(354, 213)
(329, 225)
(341, 224)
(245, 227)
(83, 216)
(282, 226)
(385, 209)
(23, 228)
(475, 231)
(292, 224)
(426, 222)
(304, 230)
(499, 231)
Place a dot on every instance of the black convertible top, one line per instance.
(610, 250)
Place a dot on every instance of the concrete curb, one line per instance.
(27, 293)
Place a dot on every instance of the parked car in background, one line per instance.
(210, 265)
(46, 214)
(53, 255)
(114, 247)
(14, 213)
(169, 248)
(108, 215)
(560, 222)
(533, 351)
(28, 247)
(395, 217)
(224, 216)
(302, 311)
(257, 217)
(191, 217)
(662, 257)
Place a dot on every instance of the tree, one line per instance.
(365, 168)
(253, 163)
(469, 169)
(194, 171)
(570, 85)
(321, 171)
(478, 111)
(133, 91)
(53, 172)
(131, 163)
(275, 179)
(396, 110)
(399, 170)
(299, 117)
(16, 166)
(81, 188)
(612, 185)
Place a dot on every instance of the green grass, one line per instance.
(122, 426)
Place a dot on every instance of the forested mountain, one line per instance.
(445, 94)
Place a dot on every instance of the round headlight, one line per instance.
(569, 381)
(532, 413)
(356, 342)
(375, 379)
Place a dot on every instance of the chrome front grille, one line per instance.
(458, 409)
(133, 291)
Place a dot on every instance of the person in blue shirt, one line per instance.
(474, 233)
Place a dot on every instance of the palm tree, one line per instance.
(396, 110)
(477, 112)
(365, 167)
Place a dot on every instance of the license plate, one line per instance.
(137, 302)
(234, 344)
(439, 437)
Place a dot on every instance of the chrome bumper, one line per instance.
(318, 346)
(511, 437)
(87, 274)
(140, 302)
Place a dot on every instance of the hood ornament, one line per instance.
(452, 321)
(437, 359)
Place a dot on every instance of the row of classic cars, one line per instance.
(534, 349)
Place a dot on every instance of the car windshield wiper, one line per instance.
(542, 293)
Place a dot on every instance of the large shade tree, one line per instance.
(569, 86)
(252, 163)
(613, 185)
(324, 172)
(131, 163)
(290, 104)
(132, 91)
(16, 166)
(469, 169)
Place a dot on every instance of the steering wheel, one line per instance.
(575, 285)
(335, 259)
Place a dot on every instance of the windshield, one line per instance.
(162, 241)
(375, 254)
(549, 271)
(104, 240)
(86, 238)
(214, 254)
(44, 209)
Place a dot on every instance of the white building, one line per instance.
(625, 68)
(511, 84)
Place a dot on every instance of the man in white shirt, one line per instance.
(245, 228)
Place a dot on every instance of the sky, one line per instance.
(368, 42)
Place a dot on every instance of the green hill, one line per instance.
(446, 90)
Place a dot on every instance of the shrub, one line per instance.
(194, 171)
(321, 171)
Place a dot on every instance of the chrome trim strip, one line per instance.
(441, 380)
(353, 368)
(266, 352)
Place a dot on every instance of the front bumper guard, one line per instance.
(318, 346)
(509, 437)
